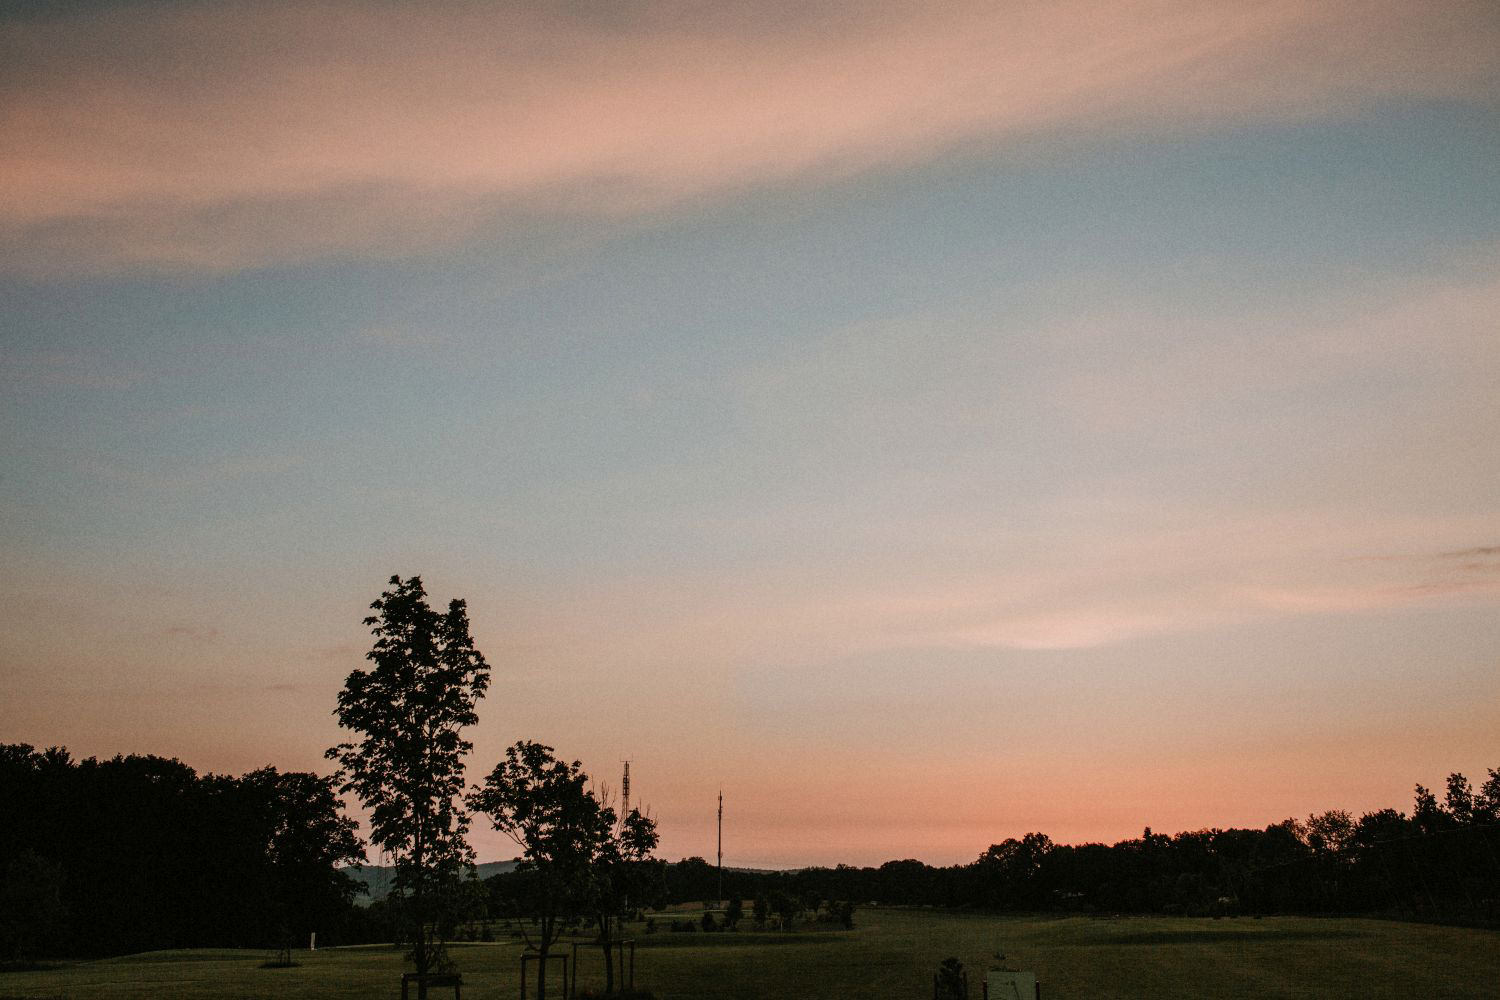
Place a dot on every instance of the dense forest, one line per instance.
(139, 852)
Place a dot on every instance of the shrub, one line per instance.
(761, 909)
(951, 981)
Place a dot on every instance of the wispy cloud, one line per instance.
(1478, 550)
(31, 371)
(297, 689)
(218, 137)
(1287, 571)
(399, 338)
(191, 633)
(176, 473)
(1088, 588)
(1353, 352)
(971, 560)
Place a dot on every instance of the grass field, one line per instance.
(891, 953)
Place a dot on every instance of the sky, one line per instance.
(928, 423)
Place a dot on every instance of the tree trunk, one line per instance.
(607, 942)
(544, 946)
(419, 952)
(423, 960)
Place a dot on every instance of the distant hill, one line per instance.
(377, 878)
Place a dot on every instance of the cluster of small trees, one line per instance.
(789, 907)
(409, 709)
(579, 858)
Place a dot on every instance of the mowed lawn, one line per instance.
(890, 953)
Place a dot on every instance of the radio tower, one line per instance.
(625, 792)
(721, 844)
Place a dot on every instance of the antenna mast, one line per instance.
(721, 844)
(625, 792)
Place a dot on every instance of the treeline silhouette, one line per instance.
(1441, 863)
(138, 853)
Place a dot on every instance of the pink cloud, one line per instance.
(1091, 588)
(214, 137)
(191, 633)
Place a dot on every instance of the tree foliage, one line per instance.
(145, 853)
(545, 806)
(622, 877)
(579, 859)
(410, 709)
(31, 906)
(305, 838)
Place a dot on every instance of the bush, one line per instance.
(951, 981)
(761, 909)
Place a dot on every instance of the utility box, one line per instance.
(1005, 984)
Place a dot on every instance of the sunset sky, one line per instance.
(928, 422)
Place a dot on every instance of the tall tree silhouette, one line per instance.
(410, 710)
